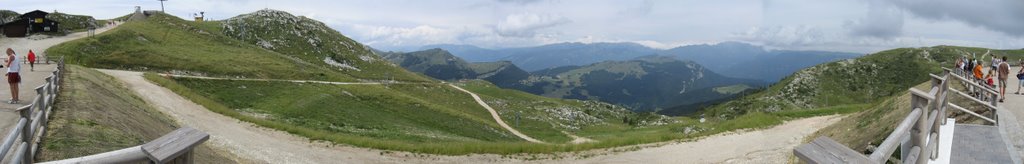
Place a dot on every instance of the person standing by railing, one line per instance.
(995, 62)
(1004, 73)
(12, 74)
(978, 74)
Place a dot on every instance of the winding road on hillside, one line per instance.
(495, 115)
(251, 141)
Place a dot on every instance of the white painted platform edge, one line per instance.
(945, 142)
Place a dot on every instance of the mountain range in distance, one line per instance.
(732, 59)
(646, 83)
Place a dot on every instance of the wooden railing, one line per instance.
(32, 120)
(976, 92)
(918, 133)
(24, 138)
(174, 147)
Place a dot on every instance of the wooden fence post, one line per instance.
(26, 135)
(917, 133)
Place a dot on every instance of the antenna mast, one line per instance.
(162, 6)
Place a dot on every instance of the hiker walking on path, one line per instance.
(12, 74)
(1004, 73)
(31, 61)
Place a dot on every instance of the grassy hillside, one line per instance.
(8, 15)
(870, 126)
(852, 81)
(428, 118)
(165, 43)
(313, 42)
(96, 114)
(74, 23)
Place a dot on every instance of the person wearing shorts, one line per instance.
(1004, 73)
(13, 78)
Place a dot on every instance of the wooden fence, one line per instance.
(921, 126)
(32, 121)
(24, 138)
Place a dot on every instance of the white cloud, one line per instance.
(841, 25)
(526, 24)
(881, 21)
(1005, 16)
(785, 36)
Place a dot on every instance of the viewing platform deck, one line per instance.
(929, 135)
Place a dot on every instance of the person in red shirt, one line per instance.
(31, 60)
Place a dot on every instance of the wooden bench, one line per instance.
(174, 147)
(825, 150)
(168, 148)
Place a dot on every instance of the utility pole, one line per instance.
(162, 6)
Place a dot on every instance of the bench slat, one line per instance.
(174, 144)
(826, 150)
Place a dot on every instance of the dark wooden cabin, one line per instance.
(29, 23)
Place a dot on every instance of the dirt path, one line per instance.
(277, 80)
(30, 79)
(1011, 120)
(251, 141)
(773, 145)
(495, 115)
(242, 138)
(39, 46)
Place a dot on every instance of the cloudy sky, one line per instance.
(833, 25)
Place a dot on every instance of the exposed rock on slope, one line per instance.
(311, 41)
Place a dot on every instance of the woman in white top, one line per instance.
(13, 66)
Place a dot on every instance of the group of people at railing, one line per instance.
(998, 72)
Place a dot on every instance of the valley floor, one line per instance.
(272, 146)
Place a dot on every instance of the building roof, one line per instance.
(35, 14)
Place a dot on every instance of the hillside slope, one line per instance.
(81, 123)
(313, 42)
(74, 23)
(863, 80)
(436, 63)
(169, 44)
(440, 64)
(411, 113)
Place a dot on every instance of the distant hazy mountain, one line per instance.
(440, 64)
(552, 55)
(647, 83)
(733, 59)
(743, 60)
(435, 63)
(469, 53)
